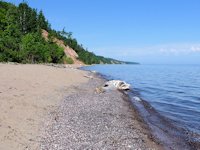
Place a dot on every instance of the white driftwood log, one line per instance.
(116, 84)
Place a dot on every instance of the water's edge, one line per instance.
(161, 128)
(158, 128)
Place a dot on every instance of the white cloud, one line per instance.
(179, 48)
(149, 51)
(195, 48)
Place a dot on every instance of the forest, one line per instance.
(21, 38)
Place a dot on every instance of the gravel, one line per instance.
(90, 120)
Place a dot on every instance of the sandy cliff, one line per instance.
(68, 51)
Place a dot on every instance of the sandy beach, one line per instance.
(27, 93)
(46, 107)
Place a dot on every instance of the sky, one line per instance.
(145, 31)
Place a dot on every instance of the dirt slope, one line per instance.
(68, 51)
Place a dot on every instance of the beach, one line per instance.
(52, 107)
(27, 93)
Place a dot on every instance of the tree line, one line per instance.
(21, 38)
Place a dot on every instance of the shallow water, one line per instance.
(173, 90)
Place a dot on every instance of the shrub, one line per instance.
(68, 60)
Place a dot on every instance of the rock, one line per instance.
(116, 84)
(99, 90)
(90, 77)
(136, 98)
(93, 71)
(56, 65)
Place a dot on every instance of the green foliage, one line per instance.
(84, 55)
(41, 21)
(56, 52)
(36, 50)
(21, 39)
(20, 36)
(32, 49)
(68, 60)
(27, 18)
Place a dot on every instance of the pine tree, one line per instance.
(27, 18)
(32, 20)
(42, 23)
(23, 17)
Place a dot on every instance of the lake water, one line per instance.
(172, 90)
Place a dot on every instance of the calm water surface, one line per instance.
(173, 90)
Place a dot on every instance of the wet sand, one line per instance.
(46, 107)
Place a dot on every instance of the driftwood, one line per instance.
(113, 85)
(116, 84)
(90, 77)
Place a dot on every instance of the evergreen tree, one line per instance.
(27, 18)
(21, 39)
(42, 23)
(10, 35)
(23, 17)
(32, 20)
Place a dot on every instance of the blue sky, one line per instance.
(146, 31)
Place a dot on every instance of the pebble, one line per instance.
(89, 120)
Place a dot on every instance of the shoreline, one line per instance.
(158, 128)
(39, 92)
(105, 120)
(162, 130)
